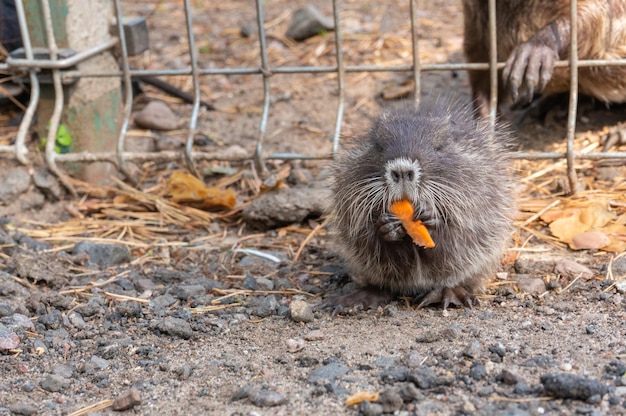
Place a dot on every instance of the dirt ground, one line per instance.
(117, 300)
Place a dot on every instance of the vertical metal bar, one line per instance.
(340, 77)
(58, 100)
(573, 98)
(265, 69)
(417, 86)
(20, 146)
(195, 72)
(128, 99)
(493, 62)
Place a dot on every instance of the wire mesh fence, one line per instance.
(63, 68)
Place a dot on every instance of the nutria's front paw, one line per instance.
(427, 215)
(529, 68)
(390, 227)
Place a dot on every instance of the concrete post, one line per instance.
(93, 107)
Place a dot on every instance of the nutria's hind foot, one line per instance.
(361, 299)
(456, 295)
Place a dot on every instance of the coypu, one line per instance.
(533, 34)
(456, 174)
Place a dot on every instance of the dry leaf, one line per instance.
(590, 240)
(361, 396)
(187, 189)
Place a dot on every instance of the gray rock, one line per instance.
(127, 401)
(51, 320)
(301, 311)
(63, 370)
(570, 270)
(572, 386)
(285, 206)
(99, 362)
(478, 371)
(542, 361)
(536, 264)
(15, 182)
(265, 284)
(370, 409)
(47, 184)
(103, 255)
(187, 292)
(509, 377)
(249, 282)
(129, 309)
(23, 409)
(163, 301)
(328, 372)
(156, 116)
(531, 285)
(308, 22)
(5, 310)
(410, 393)
(176, 327)
(53, 383)
(391, 400)
(267, 307)
(263, 397)
(423, 377)
(472, 350)
(8, 339)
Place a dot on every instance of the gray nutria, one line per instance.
(533, 34)
(456, 175)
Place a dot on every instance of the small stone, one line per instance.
(531, 285)
(103, 255)
(301, 311)
(249, 282)
(156, 116)
(308, 22)
(129, 309)
(590, 240)
(47, 184)
(498, 348)
(175, 327)
(472, 350)
(423, 377)
(509, 377)
(414, 359)
(263, 397)
(295, 345)
(265, 284)
(187, 292)
(621, 286)
(410, 393)
(129, 400)
(51, 320)
(163, 301)
(267, 307)
(542, 361)
(370, 409)
(572, 386)
(391, 400)
(23, 409)
(15, 181)
(328, 372)
(63, 370)
(478, 371)
(99, 362)
(590, 330)
(76, 319)
(569, 269)
(8, 339)
(315, 335)
(5, 310)
(53, 383)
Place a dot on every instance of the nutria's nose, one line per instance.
(402, 174)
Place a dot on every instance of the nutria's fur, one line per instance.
(533, 34)
(457, 176)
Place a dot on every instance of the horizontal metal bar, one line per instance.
(61, 63)
(561, 155)
(148, 156)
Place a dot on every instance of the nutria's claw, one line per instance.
(457, 296)
(530, 66)
(390, 227)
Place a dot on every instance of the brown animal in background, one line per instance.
(533, 34)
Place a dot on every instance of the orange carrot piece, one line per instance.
(415, 229)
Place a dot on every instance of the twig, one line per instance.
(308, 239)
